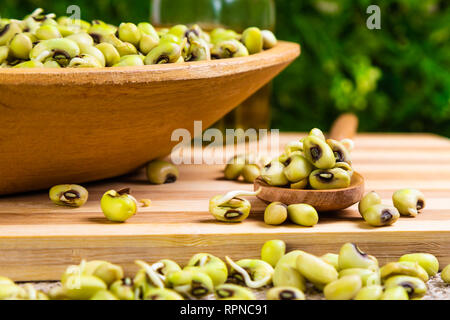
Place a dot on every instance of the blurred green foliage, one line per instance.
(394, 79)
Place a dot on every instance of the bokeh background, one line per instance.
(396, 79)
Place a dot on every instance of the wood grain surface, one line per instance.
(84, 125)
(38, 240)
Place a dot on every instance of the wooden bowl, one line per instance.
(321, 200)
(80, 125)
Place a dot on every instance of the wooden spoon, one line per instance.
(323, 200)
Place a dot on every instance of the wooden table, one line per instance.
(38, 240)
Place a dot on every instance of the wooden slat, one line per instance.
(177, 225)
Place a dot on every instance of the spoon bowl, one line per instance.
(321, 200)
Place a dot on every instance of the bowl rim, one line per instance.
(283, 53)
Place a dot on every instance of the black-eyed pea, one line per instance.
(276, 213)
(395, 293)
(415, 287)
(345, 288)
(332, 259)
(319, 153)
(315, 269)
(445, 275)
(286, 273)
(351, 256)
(369, 200)
(406, 268)
(251, 172)
(272, 251)
(372, 292)
(340, 151)
(409, 202)
(368, 276)
(273, 174)
(303, 215)
(328, 179)
(285, 293)
(253, 273)
(381, 215)
(230, 291)
(426, 260)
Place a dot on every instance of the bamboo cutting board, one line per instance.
(38, 240)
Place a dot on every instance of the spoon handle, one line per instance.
(345, 127)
